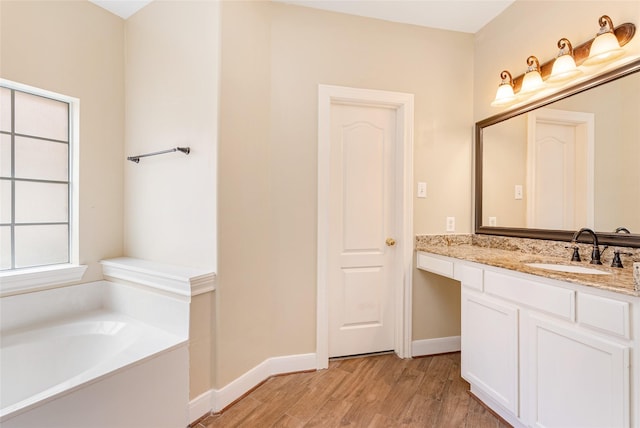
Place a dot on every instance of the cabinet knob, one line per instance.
(390, 242)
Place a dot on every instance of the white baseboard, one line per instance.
(439, 345)
(217, 399)
(201, 405)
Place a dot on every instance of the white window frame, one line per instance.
(23, 280)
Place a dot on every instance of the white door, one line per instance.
(559, 186)
(361, 248)
(559, 166)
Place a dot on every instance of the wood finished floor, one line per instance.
(375, 391)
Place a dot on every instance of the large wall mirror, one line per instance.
(570, 160)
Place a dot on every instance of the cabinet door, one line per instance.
(572, 378)
(490, 347)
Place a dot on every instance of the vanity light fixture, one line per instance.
(505, 94)
(605, 46)
(532, 78)
(564, 66)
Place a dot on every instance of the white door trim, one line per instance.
(403, 104)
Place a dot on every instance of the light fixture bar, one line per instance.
(624, 33)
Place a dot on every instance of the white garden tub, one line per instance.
(100, 354)
(39, 364)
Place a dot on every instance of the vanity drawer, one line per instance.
(470, 277)
(603, 314)
(434, 264)
(545, 298)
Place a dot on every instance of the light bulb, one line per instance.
(532, 80)
(605, 46)
(564, 67)
(504, 94)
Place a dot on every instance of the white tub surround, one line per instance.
(184, 281)
(114, 353)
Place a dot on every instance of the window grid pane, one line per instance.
(35, 185)
(41, 159)
(6, 198)
(36, 202)
(6, 252)
(6, 113)
(6, 154)
(40, 245)
(38, 116)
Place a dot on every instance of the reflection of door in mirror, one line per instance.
(560, 162)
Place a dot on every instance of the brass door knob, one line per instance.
(390, 242)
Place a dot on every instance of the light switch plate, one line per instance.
(518, 191)
(422, 189)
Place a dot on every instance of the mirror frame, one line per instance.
(623, 240)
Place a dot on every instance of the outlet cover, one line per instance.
(451, 224)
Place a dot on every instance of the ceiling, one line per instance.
(122, 8)
(467, 16)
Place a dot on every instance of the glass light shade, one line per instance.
(531, 82)
(564, 68)
(605, 47)
(504, 95)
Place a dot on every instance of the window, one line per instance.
(36, 170)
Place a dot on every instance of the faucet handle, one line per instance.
(575, 257)
(617, 262)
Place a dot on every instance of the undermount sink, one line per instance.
(568, 268)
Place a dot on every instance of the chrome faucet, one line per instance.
(595, 254)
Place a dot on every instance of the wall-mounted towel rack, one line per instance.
(136, 159)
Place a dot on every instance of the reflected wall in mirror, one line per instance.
(563, 163)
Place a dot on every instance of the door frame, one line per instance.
(403, 105)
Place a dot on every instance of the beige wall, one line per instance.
(171, 69)
(273, 58)
(76, 49)
(171, 100)
(505, 166)
(245, 312)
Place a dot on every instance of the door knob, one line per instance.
(390, 242)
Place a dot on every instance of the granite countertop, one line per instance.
(515, 253)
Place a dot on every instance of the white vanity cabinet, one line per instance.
(489, 343)
(572, 378)
(548, 353)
